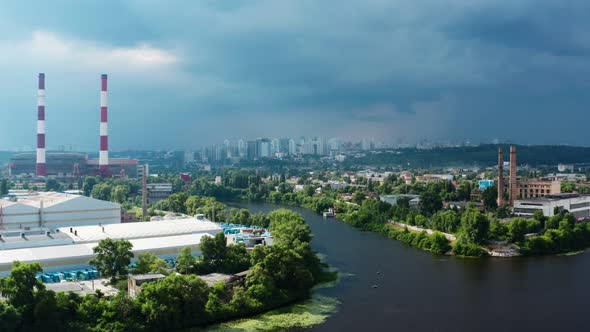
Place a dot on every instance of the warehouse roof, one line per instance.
(50, 199)
(137, 230)
(85, 250)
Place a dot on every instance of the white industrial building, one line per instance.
(53, 210)
(72, 249)
(60, 231)
(577, 204)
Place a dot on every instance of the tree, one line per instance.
(358, 197)
(440, 244)
(20, 286)
(53, 185)
(185, 262)
(446, 221)
(112, 257)
(475, 226)
(430, 202)
(517, 230)
(3, 187)
(88, 185)
(101, 191)
(213, 248)
(174, 302)
(288, 227)
(149, 263)
(489, 197)
(119, 194)
(10, 318)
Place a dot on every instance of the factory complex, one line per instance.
(70, 166)
(60, 230)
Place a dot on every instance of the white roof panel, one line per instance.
(137, 230)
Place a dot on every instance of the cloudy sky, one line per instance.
(187, 73)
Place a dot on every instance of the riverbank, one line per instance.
(479, 294)
(302, 314)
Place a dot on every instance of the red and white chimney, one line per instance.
(41, 163)
(103, 162)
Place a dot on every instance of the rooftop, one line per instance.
(137, 230)
(147, 276)
(70, 287)
(85, 250)
(555, 197)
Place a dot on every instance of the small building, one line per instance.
(158, 191)
(392, 199)
(70, 287)
(461, 205)
(134, 282)
(228, 279)
(577, 204)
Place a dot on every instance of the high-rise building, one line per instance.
(241, 148)
(292, 147)
(263, 148)
(274, 146)
(284, 145)
(252, 150)
(189, 156)
(322, 146)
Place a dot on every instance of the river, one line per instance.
(418, 291)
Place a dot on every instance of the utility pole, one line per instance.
(144, 193)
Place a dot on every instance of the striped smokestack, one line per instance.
(103, 163)
(41, 164)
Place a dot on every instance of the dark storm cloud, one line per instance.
(200, 71)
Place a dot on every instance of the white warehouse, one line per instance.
(53, 210)
(60, 230)
(577, 204)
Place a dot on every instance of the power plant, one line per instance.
(69, 166)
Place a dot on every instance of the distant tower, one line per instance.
(500, 184)
(41, 164)
(144, 193)
(513, 183)
(103, 163)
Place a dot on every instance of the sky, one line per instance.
(183, 74)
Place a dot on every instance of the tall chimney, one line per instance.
(41, 164)
(144, 194)
(513, 184)
(500, 184)
(103, 163)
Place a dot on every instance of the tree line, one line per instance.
(278, 274)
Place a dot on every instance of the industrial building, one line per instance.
(52, 210)
(158, 191)
(70, 248)
(522, 189)
(60, 230)
(577, 204)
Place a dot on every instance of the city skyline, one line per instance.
(466, 71)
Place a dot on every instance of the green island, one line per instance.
(279, 274)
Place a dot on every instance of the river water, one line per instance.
(418, 291)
